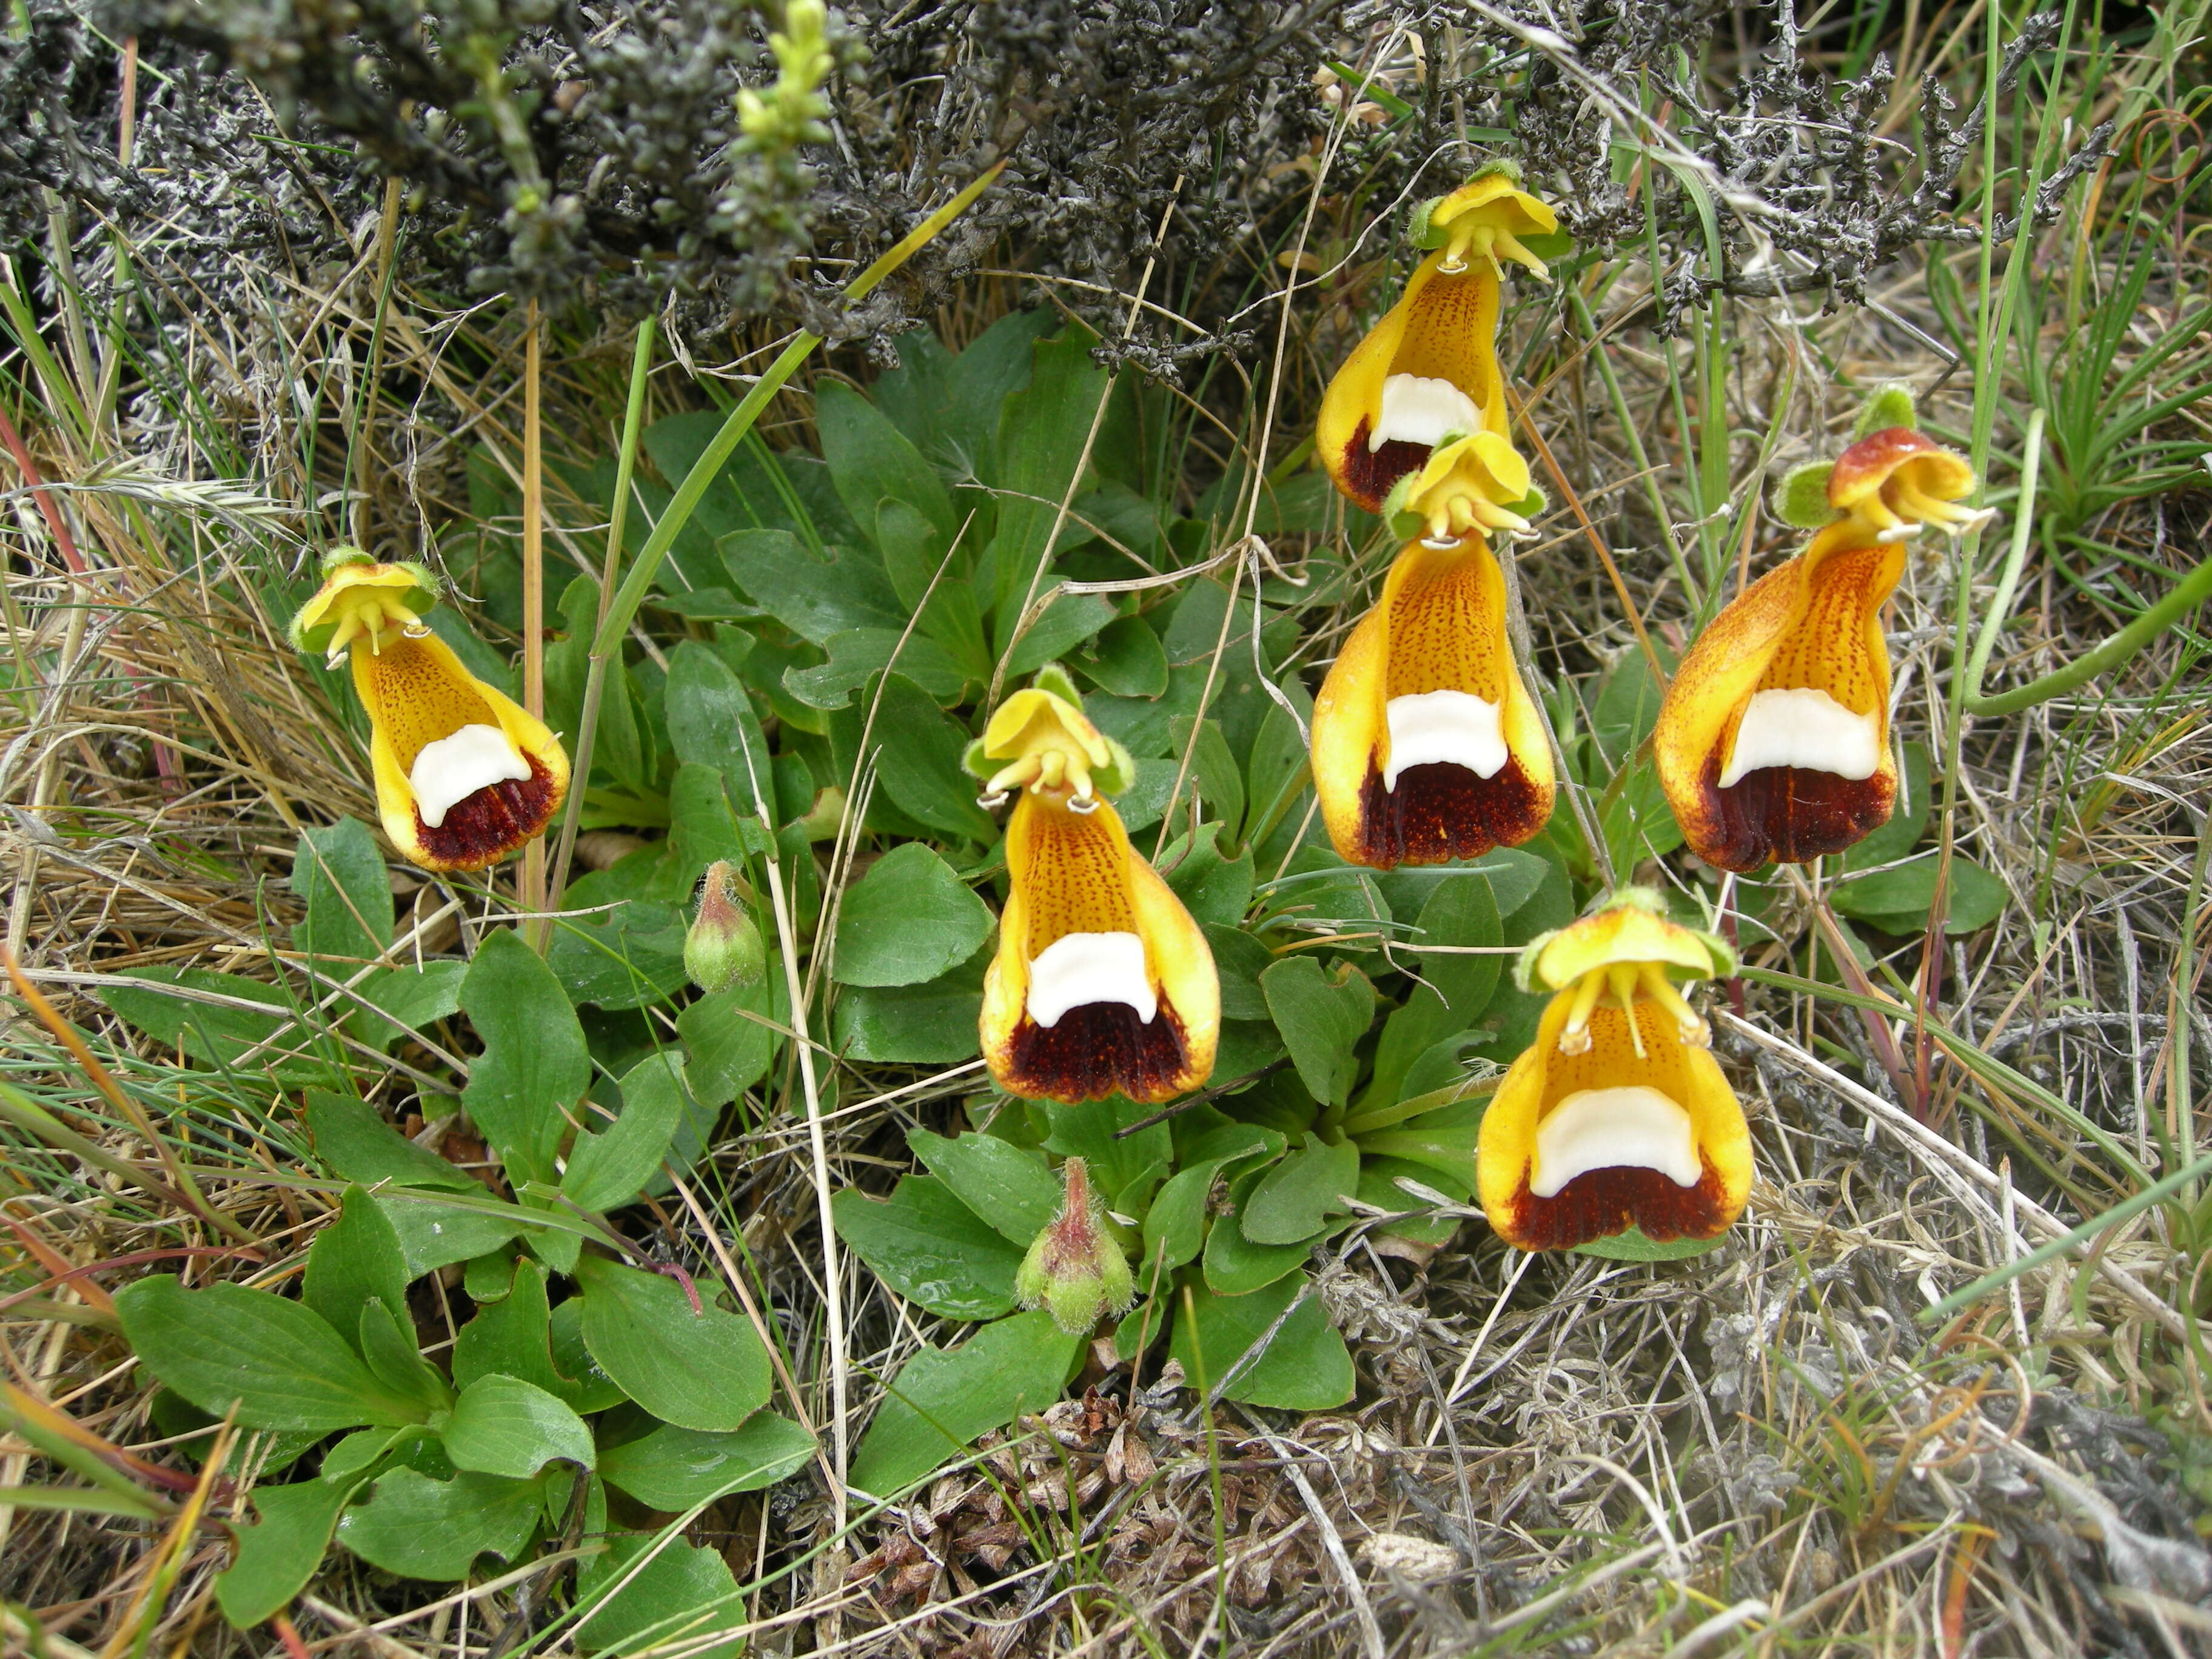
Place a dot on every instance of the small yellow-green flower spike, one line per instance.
(791, 112)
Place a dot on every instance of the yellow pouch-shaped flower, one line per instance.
(464, 776)
(1773, 741)
(1102, 983)
(1617, 1115)
(1425, 745)
(1428, 371)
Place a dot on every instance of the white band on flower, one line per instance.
(1803, 728)
(1453, 727)
(1633, 1127)
(1077, 969)
(1416, 409)
(448, 772)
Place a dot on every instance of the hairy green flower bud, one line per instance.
(1075, 1269)
(724, 946)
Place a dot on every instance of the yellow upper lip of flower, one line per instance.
(1894, 481)
(1471, 483)
(1622, 954)
(1048, 744)
(1631, 931)
(362, 600)
(1485, 219)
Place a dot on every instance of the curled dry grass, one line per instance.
(1766, 1449)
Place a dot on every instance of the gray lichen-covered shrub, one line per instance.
(593, 154)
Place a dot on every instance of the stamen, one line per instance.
(1011, 777)
(1455, 262)
(1620, 977)
(1575, 1037)
(1494, 516)
(1661, 990)
(1508, 247)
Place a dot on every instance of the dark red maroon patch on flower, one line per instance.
(1097, 1049)
(1368, 477)
(1600, 1203)
(1442, 810)
(482, 828)
(1789, 814)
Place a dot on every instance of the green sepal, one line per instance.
(1533, 505)
(1892, 404)
(1524, 965)
(1059, 682)
(1418, 231)
(1116, 775)
(1406, 525)
(339, 557)
(973, 763)
(1800, 500)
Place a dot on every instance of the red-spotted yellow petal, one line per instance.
(464, 776)
(1773, 740)
(1102, 983)
(1426, 372)
(1634, 1125)
(1426, 746)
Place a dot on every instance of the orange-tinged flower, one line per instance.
(1896, 481)
(1425, 745)
(1617, 1115)
(464, 776)
(1102, 983)
(1429, 370)
(1773, 741)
